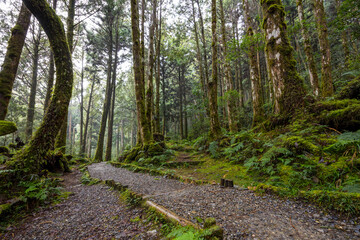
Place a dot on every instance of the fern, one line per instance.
(213, 149)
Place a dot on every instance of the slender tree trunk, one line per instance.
(31, 105)
(185, 111)
(106, 108)
(199, 57)
(34, 153)
(157, 103)
(314, 80)
(288, 88)
(327, 88)
(144, 125)
(215, 130)
(256, 90)
(69, 130)
(90, 139)
(83, 147)
(150, 71)
(118, 141)
(204, 45)
(230, 96)
(50, 82)
(82, 139)
(344, 38)
(164, 102)
(12, 58)
(180, 79)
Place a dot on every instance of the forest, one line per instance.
(194, 119)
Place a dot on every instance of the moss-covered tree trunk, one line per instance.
(50, 83)
(344, 38)
(143, 124)
(255, 77)
(215, 130)
(34, 154)
(287, 84)
(180, 92)
(230, 96)
(314, 80)
(327, 88)
(12, 58)
(61, 138)
(34, 79)
(82, 103)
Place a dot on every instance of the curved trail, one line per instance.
(91, 212)
(241, 213)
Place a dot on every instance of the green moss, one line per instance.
(351, 90)
(4, 150)
(7, 127)
(300, 145)
(347, 118)
(209, 222)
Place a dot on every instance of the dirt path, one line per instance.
(91, 212)
(241, 213)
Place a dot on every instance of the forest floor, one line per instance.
(240, 212)
(90, 212)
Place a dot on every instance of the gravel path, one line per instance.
(241, 213)
(91, 212)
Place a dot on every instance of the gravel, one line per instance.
(91, 212)
(241, 213)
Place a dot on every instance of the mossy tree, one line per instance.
(287, 85)
(33, 157)
(61, 138)
(143, 124)
(12, 58)
(314, 80)
(215, 130)
(327, 88)
(256, 89)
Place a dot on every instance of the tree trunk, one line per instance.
(50, 82)
(144, 125)
(164, 101)
(314, 80)
(106, 107)
(12, 58)
(327, 88)
(112, 107)
(83, 147)
(180, 79)
(255, 77)
(215, 130)
(31, 105)
(150, 71)
(230, 96)
(33, 155)
(90, 139)
(82, 139)
(61, 138)
(287, 84)
(157, 103)
(344, 39)
(199, 57)
(185, 112)
(204, 45)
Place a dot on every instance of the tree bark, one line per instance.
(287, 84)
(12, 58)
(33, 155)
(180, 79)
(144, 125)
(82, 139)
(327, 88)
(314, 80)
(50, 82)
(215, 130)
